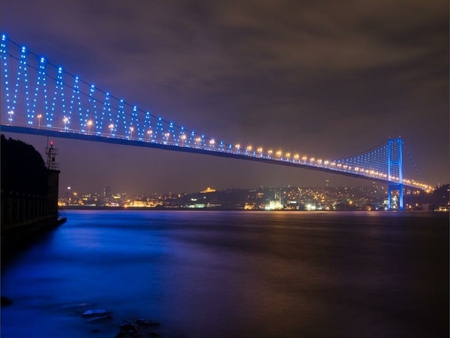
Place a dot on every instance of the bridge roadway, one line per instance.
(77, 135)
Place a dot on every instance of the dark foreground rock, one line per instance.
(96, 313)
(134, 334)
(128, 327)
(141, 328)
(146, 321)
(6, 301)
(127, 334)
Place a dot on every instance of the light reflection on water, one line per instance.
(235, 274)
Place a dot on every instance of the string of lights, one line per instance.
(96, 112)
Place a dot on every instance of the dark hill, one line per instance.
(22, 168)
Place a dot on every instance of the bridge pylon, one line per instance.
(395, 170)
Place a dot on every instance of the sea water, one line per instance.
(234, 274)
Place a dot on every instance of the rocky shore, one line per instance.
(104, 319)
(101, 321)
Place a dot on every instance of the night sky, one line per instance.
(327, 78)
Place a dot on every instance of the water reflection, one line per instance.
(222, 274)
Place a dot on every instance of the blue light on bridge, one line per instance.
(33, 93)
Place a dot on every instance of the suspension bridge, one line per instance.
(40, 98)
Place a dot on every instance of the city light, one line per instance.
(89, 124)
(65, 120)
(149, 133)
(131, 132)
(39, 119)
(11, 113)
(111, 128)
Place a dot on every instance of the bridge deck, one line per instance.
(220, 153)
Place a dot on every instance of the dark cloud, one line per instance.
(331, 78)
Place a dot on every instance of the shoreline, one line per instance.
(62, 209)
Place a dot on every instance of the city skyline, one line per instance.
(325, 198)
(250, 73)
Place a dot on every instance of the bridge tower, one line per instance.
(395, 167)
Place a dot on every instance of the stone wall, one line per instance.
(19, 208)
(29, 193)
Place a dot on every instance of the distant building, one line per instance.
(208, 190)
(107, 192)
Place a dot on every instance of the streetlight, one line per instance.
(149, 133)
(39, 118)
(11, 113)
(131, 132)
(65, 119)
(111, 127)
(89, 124)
